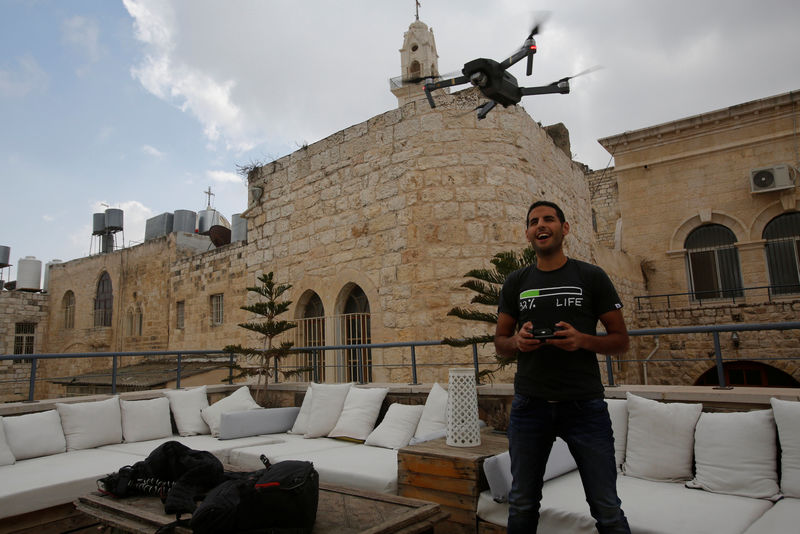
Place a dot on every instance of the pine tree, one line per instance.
(487, 284)
(270, 328)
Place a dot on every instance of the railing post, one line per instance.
(32, 379)
(274, 372)
(178, 379)
(230, 369)
(114, 374)
(360, 363)
(720, 368)
(414, 365)
(610, 371)
(475, 358)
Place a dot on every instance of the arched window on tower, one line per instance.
(356, 330)
(713, 263)
(783, 253)
(414, 70)
(68, 308)
(103, 302)
(311, 333)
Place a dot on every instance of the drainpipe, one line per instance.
(644, 363)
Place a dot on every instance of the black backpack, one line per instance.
(281, 498)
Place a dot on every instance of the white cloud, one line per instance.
(28, 78)
(83, 34)
(225, 177)
(152, 151)
(48, 218)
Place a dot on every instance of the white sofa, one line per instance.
(680, 470)
(50, 458)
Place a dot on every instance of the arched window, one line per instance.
(68, 309)
(138, 321)
(312, 334)
(356, 330)
(414, 70)
(129, 323)
(103, 301)
(783, 253)
(713, 263)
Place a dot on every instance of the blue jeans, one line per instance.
(586, 428)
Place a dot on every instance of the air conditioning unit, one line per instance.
(773, 178)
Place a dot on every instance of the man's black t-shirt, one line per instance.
(577, 293)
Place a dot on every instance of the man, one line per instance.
(557, 388)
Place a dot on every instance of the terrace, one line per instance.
(433, 471)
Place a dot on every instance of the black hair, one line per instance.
(559, 211)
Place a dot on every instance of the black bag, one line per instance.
(282, 498)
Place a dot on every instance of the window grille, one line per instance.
(180, 309)
(24, 338)
(713, 263)
(217, 309)
(103, 302)
(783, 253)
(69, 310)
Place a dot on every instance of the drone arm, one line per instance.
(429, 96)
(561, 86)
(446, 83)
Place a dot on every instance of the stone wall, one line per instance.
(605, 205)
(403, 205)
(19, 307)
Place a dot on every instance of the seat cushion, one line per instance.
(46, 481)
(782, 517)
(651, 508)
(219, 448)
(358, 466)
(286, 447)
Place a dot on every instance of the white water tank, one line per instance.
(29, 274)
(47, 267)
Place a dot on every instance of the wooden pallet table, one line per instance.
(450, 476)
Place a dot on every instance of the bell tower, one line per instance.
(418, 59)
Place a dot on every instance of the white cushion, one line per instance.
(327, 402)
(356, 466)
(187, 407)
(434, 415)
(660, 442)
(736, 453)
(88, 425)
(301, 423)
(397, 427)
(359, 413)
(257, 422)
(618, 411)
(6, 456)
(787, 418)
(35, 434)
(238, 401)
(782, 517)
(145, 419)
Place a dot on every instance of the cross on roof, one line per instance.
(210, 194)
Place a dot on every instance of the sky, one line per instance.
(143, 105)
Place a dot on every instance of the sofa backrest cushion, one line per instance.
(35, 434)
(301, 422)
(327, 401)
(257, 422)
(359, 413)
(497, 469)
(238, 401)
(736, 453)
(660, 443)
(91, 424)
(398, 426)
(144, 420)
(434, 415)
(6, 456)
(618, 411)
(187, 406)
(787, 418)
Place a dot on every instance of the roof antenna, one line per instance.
(418, 4)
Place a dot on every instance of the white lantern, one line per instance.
(462, 409)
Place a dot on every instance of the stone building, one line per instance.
(375, 226)
(709, 204)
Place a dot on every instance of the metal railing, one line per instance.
(714, 330)
(734, 296)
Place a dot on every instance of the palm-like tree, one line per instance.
(487, 283)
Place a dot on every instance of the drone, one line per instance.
(494, 80)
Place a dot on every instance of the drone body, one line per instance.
(495, 82)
